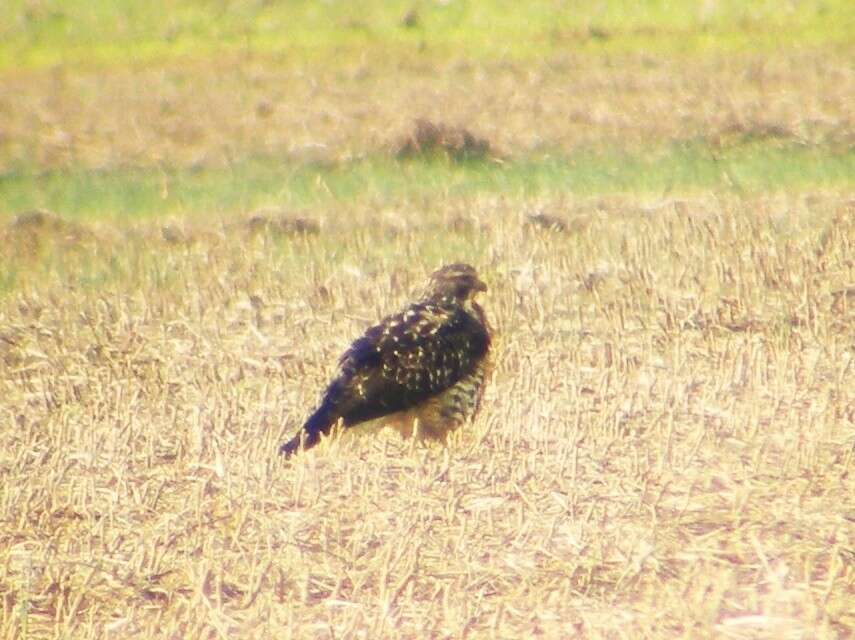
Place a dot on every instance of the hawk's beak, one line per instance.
(479, 285)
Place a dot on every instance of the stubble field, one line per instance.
(666, 444)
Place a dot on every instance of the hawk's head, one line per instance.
(457, 280)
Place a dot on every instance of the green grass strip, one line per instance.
(270, 181)
(123, 32)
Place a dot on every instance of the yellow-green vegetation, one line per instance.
(102, 32)
(200, 211)
(260, 182)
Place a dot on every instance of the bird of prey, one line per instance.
(423, 366)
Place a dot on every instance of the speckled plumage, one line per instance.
(425, 365)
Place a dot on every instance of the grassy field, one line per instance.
(258, 183)
(199, 213)
(46, 32)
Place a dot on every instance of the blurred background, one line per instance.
(132, 108)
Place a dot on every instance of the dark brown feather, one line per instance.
(401, 362)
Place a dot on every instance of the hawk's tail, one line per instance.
(318, 424)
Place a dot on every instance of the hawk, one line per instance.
(423, 366)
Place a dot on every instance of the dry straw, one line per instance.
(666, 446)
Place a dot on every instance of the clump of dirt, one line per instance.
(436, 138)
(736, 131)
(175, 234)
(281, 223)
(39, 219)
(467, 224)
(541, 221)
(411, 19)
(843, 300)
(30, 231)
(545, 221)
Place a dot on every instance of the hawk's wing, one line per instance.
(398, 364)
(406, 359)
